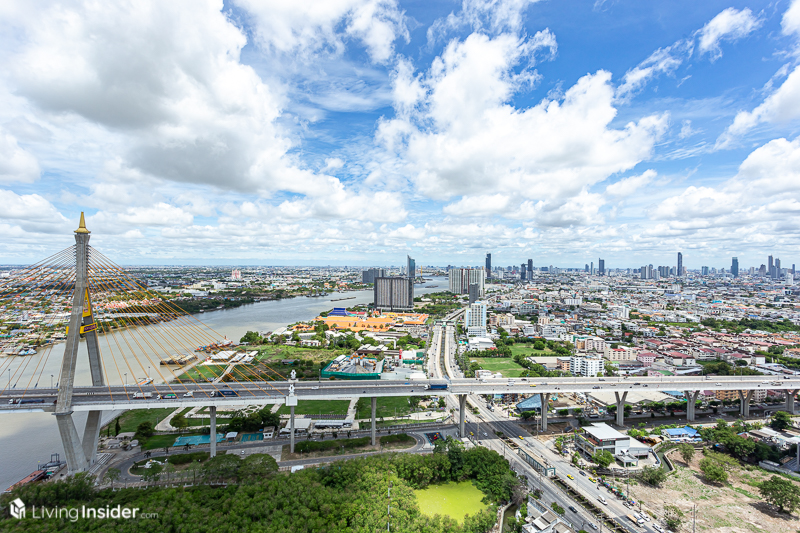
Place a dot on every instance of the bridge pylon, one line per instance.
(81, 452)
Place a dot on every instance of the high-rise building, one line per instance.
(489, 265)
(475, 319)
(530, 269)
(591, 268)
(680, 264)
(586, 268)
(770, 268)
(778, 273)
(411, 267)
(522, 272)
(735, 267)
(369, 275)
(461, 278)
(601, 267)
(474, 291)
(393, 294)
(704, 271)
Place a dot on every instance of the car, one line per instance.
(485, 434)
(718, 384)
(315, 387)
(637, 383)
(570, 476)
(658, 528)
(786, 377)
(189, 394)
(601, 379)
(533, 384)
(602, 500)
(645, 385)
(596, 387)
(591, 525)
(521, 437)
(583, 473)
(571, 508)
(613, 384)
(593, 480)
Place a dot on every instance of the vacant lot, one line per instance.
(451, 499)
(527, 350)
(735, 507)
(130, 420)
(386, 407)
(318, 407)
(504, 365)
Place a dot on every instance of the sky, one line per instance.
(354, 132)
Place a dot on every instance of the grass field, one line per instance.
(131, 419)
(527, 350)
(452, 499)
(315, 407)
(386, 407)
(504, 365)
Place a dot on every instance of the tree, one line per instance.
(441, 402)
(781, 492)
(603, 458)
(221, 467)
(179, 421)
(116, 427)
(538, 345)
(144, 430)
(152, 474)
(780, 421)
(256, 467)
(687, 452)
(557, 508)
(713, 470)
(112, 474)
(251, 337)
(673, 517)
(654, 476)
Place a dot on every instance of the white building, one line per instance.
(585, 366)
(461, 278)
(475, 320)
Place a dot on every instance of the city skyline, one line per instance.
(294, 135)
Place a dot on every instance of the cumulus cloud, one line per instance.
(31, 212)
(463, 137)
(310, 26)
(16, 164)
(627, 186)
(729, 25)
(492, 16)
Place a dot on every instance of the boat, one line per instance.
(340, 299)
(43, 472)
(145, 381)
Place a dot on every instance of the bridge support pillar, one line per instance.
(691, 404)
(462, 414)
(744, 402)
(291, 429)
(790, 394)
(91, 435)
(212, 411)
(621, 407)
(374, 408)
(76, 460)
(545, 399)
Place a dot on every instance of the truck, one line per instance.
(632, 519)
(169, 396)
(22, 401)
(225, 392)
(142, 395)
(436, 386)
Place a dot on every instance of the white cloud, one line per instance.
(16, 164)
(662, 61)
(781, 106)
(729, 25)
(790, 23)
(483, 16)
(314, 25)
(31, 212)
(485, 204)
(462, 138)
(627, 186)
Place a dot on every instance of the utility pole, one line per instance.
(694, 519)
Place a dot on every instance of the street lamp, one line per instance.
(51, 381)
(126, 380)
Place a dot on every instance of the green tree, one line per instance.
(780, 421)
(257, 466)
(557, 508)
(781, 492)
(673, 517)
(251, 337)
(116, 427)
(603, 458)
(152, 474)
(112, 475)
(179, 422)
(713, 470)
(653, 475)
(144, 430)
(686, 451)
(221, 467)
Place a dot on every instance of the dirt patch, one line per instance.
(736, 507)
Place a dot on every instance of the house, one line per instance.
(679, 359)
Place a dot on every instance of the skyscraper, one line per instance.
(489, 265)
(601, 267)
(770, 268)
(680, 264)
(777, 268)
(704, 271)
(530, 268)
(735, 267)
(461, 278)
(411, 267)
(393, 294)
(522, 270)
(369, 275)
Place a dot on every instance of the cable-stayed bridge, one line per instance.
(77, 294)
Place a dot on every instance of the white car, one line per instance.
(602, 500)
(658, 528)
(189, 394)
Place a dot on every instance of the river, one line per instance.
(27, 438)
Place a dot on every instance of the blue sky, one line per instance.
(356, 131)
